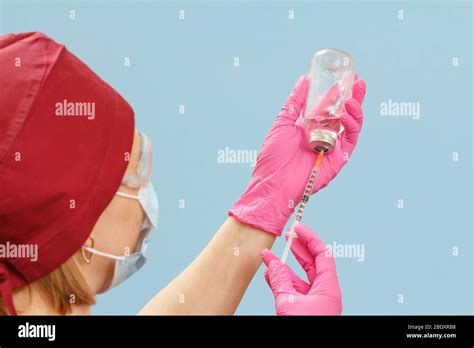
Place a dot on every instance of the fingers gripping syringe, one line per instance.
(302, 205)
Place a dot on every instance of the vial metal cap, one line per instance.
(322, 140)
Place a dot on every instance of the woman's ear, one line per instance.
(86, 255)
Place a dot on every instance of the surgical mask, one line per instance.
(128, 264)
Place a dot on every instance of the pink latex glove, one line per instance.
(293, 296)
(285, 161)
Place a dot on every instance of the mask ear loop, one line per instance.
(127, 195)
(144, 165)
(83, 250)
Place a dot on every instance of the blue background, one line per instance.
(407, 251)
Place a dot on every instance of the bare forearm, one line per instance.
(216, 280)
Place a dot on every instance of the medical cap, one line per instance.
(65, 139)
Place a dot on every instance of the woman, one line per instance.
(75, 183)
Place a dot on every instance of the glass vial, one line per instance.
(331, 76)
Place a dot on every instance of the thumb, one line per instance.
(290, 111)
(300, 285)
(267, 257)
(279, 277)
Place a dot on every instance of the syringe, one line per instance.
(302, 205)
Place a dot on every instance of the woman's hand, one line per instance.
(293, 296)
(285, 161)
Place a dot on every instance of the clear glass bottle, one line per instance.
(331, 77)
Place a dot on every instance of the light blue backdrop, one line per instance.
(408, 252)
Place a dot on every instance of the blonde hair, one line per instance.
(58, 286)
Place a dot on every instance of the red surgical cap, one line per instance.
(65, 136)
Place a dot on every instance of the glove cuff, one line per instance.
(262, 207)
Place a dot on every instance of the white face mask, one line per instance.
(127, 265)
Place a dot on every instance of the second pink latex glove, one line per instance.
(293, 296)
(285, 161)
